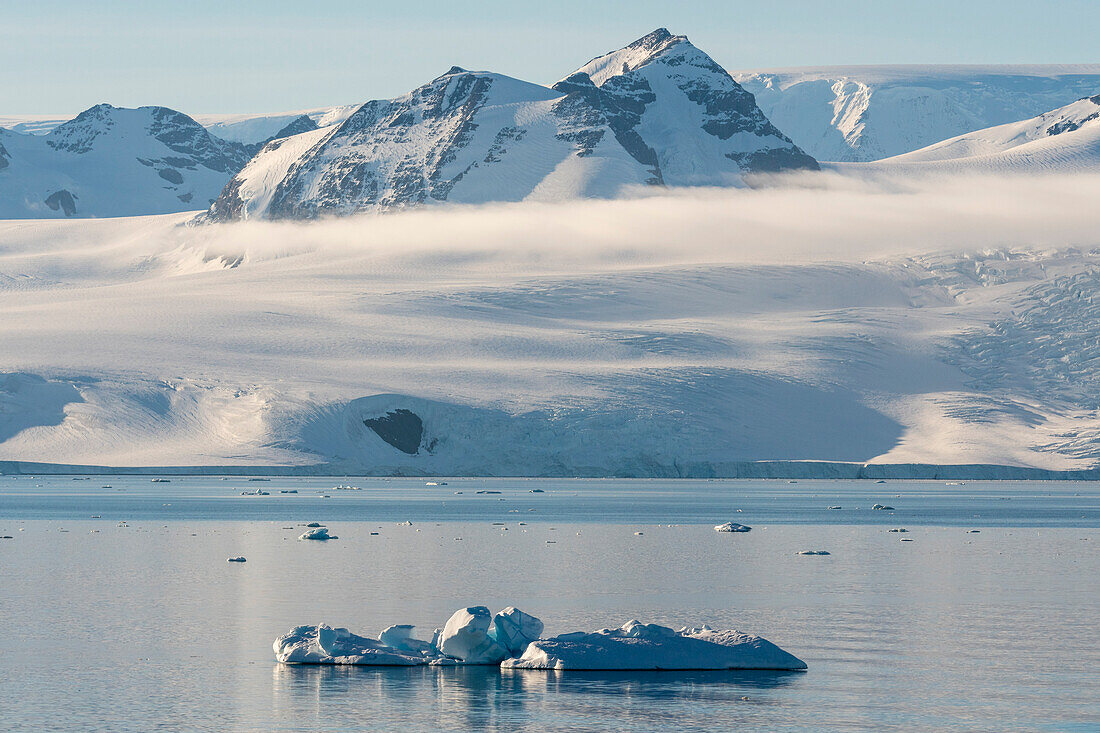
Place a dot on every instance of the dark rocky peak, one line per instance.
(79, 134)
(302, 123)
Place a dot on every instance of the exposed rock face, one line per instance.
(62, 200)
(400, 428)
(658, 111)
(303, 123)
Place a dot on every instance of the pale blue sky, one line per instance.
(198, 56)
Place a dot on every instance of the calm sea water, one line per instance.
(134, 620)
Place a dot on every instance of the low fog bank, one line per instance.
(793, 219)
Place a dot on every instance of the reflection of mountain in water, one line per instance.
(469, 698)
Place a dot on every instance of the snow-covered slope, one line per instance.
(674, 334)
(115, 162)
(863, 113)
(1062, 140)
(656, 112)
(256, 129)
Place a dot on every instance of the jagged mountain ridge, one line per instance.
(110, 161)
(665, 114)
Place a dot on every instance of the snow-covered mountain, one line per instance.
(115, 162)
(658, 111)
(110, 161)
(1063, 140)
(863, 113)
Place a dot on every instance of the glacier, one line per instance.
(540, 340)
(865, 113)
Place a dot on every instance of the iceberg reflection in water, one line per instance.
(473, 697)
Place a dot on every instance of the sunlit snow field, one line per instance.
(134, 620)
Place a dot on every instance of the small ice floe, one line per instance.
(315, 524)
(346, 487)
(320, 533)
(259, 479)
(106, 486)
(639, 534)
(239, 558)
(435, 483)
(813, 552)
(637, 646)
(834, 507)
(257, 492)
(487, 491)
(535, 491)
(973, 531)
(162, 481)
(458, 493)
(906, 539)
(288, 491)
(898, 529)
(6, 537)
(406, 523)
(732, 527)
(882, 507)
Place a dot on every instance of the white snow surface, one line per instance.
(638, 646)
(252, 128)
(947, 319)
(864, 113)
(1066, 139)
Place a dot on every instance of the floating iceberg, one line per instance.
(326, 645)
(637, 646)
(732, 527)
(510, 638)
(320, 533)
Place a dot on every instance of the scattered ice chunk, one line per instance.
(513, 630)
(325, 645)
(321, 533)
(648, 646)
(732, 527)
(400, 637)
(236, 559)
(466, 637)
